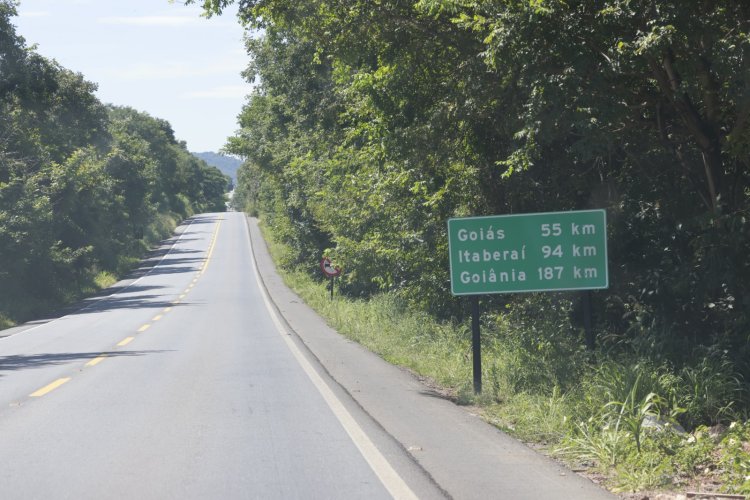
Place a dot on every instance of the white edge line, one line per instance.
(190, 223)
(391, 480)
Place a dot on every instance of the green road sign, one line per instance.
(528, 253)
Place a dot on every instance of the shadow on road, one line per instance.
(165, 260)
(175, 265)
(144, 301)
(205, 219)
(20, 362)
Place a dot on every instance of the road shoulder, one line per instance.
(464, 455)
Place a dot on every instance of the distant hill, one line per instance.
(227, 164)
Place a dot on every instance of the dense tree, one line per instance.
(374, 122)
(81, 184)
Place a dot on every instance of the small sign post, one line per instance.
(538, 252)
(330, 271)
(476, 345)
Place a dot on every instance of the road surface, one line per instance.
(192, 381)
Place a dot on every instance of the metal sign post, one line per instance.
(330, 271)
(539, 252)
(476, 349)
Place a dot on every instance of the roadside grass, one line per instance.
(104, 279)
(383, 325)
(616, 420)
(5, 322)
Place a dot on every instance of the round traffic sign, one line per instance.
(328, 268)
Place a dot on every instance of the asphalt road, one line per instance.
(187, 382)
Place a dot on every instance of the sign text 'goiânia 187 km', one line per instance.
(528, 253)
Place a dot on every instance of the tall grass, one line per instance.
(6, 322)
(618, 416)
(387, 327)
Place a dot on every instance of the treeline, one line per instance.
(375, 122)
(84, 187)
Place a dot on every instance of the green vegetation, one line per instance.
(85, 188)
(617, 419)
(372, 124)
(375, 122)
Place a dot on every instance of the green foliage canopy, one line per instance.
(374, 122)
(80, 182)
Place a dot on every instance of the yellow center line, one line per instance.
(211, 248)
(157, 317)
(49, 388)
(125, 341)
(96, 360)
(167, 309)
(144, 328)
(187, 290)
(175, 302)
(182, 296)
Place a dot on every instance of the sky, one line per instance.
(161, 58)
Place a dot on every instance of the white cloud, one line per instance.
(221, 92)
(161, 21)
(34, 13)
(177, 70)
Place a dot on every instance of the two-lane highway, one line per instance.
(187, 383)
(180, 385)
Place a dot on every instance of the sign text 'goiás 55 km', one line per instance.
(528, 253)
